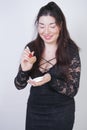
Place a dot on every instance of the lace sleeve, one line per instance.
(68, 87)
(20, 80)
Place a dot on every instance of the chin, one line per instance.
(49, 41)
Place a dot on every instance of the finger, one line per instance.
(30, 55)
(32, 52)
(27, 51)
(25, 57)
(27, 48)
(31, 82)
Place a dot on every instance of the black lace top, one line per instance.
(58, 83)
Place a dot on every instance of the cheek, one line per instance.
(56, 33)
(40, 31)
(57, 30)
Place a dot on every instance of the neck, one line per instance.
(50, 45)
(50, 50)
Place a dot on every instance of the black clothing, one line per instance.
(51, 106)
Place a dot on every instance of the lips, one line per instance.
(47, 37)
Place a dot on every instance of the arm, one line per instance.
(67, 87)
(26, 65)
(20, 80)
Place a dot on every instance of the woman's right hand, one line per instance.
(27, 59)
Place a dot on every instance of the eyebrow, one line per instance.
(49, 24)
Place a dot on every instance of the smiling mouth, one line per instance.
(47, 37)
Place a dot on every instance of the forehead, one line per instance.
(47, 20)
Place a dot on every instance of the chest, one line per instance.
(47, 61)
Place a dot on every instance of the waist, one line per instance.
(50, 98)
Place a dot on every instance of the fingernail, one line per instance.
(27, 47)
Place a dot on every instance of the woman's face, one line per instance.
(48, 30)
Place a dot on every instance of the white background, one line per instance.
(16, 30)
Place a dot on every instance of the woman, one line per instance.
(54, 58)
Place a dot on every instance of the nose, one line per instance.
(46, 31)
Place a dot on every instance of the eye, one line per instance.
(41, 27)
(52, 26)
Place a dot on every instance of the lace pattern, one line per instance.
(58, 83)
(69, 87)
(21, 79)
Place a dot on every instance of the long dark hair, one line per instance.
(64, 41)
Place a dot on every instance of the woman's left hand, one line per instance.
(46, 78)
